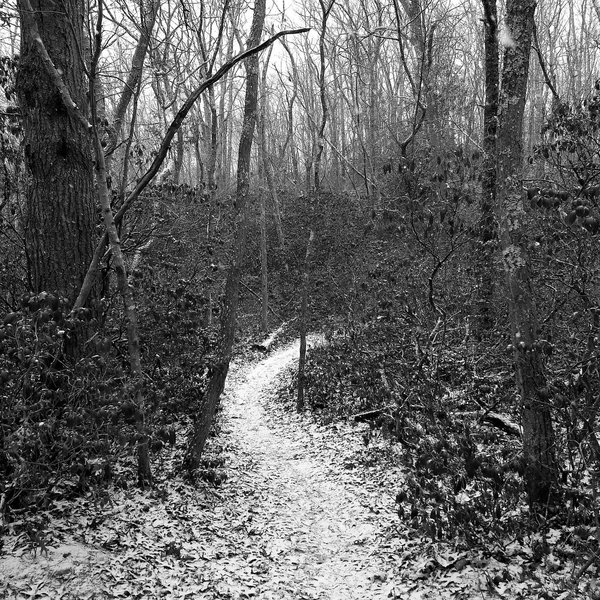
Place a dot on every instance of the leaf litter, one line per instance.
(303, 511)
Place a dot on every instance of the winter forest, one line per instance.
(299, 300)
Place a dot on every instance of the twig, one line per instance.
(257, 296)
(588, 563)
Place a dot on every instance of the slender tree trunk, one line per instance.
(264, 157)
(300, 403)
(264, 168)
(268, 174)
(290, 140)
(325, 11)
(490, 120)
(487, 232)
(179, 153)
(326, 7)
(133, 338)
(374, 141)
(264, 269)
(216, 384)
(538, 435)
(148, 11)
(179, 137)
(226, 125)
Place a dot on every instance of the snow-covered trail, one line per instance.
(315, 530)
(303, 515)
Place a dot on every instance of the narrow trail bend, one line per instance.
(304, 514)
(314, 528)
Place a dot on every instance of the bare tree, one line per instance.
(538, 436)
(148, 11)
(129, 308)
(231, 296)
(161, 154)
(326, 8)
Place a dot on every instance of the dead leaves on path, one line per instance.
(308, 512)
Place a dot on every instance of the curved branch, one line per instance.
(164, 147)
(547, 79)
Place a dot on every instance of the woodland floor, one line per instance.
(296, 510)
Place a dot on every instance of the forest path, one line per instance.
(314, 529)
(301, 511)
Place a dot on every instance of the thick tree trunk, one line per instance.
(60, 208)
(216, 384)
(538, 437)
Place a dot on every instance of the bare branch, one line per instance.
(164, 147)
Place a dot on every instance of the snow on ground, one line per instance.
(318, 535)
(302, 511)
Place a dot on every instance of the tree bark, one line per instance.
(60, 208)
(490, 120)
(290, 139)
(487, 228)
(303, 322)
(325, 11)
(266, 165)
(264, 268)
(538, 435)
(326, 8)
(220, 369)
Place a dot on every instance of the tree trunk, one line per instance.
(129, 308)
(268, 173)
(538, 436)
(264, 167)
(216, 384)
(325, 11)
(60, 207)
(490, 120)
(264, 272)
(148, 12)
(303, 324)
(484, 320)
(314, 192)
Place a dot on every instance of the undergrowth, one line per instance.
(68, 423)
(456, 425)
